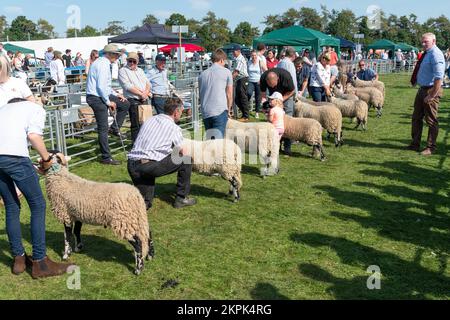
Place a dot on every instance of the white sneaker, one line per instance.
(257, 116)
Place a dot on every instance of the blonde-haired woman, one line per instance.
(57, 69)
(17, 64)
(10, 87)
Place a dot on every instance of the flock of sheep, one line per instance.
(75, 201)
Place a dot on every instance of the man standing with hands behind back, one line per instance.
(428, 74)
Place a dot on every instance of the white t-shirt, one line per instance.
(57, 72)
(13, 88)
(17, 121)
(320, 75)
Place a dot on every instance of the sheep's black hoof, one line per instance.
(79, 248)
(137, 272)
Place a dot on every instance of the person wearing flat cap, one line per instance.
(136, 88)
(102, 99)
(159, 83)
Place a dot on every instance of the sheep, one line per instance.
(353, 109)
(305, 130)
(120, 206)
(328, 116)
(258, 138)
(217, 156)
(339, 93)
(372, 96)
(358, 83)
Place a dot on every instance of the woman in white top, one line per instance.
(254, 72)
(320, 79)
(57, 69)
(10, 87)
(17, 64)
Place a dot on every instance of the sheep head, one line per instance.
(58, 160)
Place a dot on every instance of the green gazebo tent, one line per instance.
(298, 36)
(384, 44)
(14, 48)
(407, 47)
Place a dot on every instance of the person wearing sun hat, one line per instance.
(276, 112)
(102, 99)
(136, 88)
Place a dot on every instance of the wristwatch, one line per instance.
(48, 160)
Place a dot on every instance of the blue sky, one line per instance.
(98, 13)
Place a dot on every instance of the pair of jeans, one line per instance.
(134, 117)
(253, 87)
(158, 103)
(241, 99)
(289, 110)
(215, 127)
(144, 176)
(19, 171)
(101, 112)
(318, 94)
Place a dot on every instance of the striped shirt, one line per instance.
(132, 79)
(241, 67)
(157, 138)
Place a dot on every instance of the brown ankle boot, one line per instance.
(20, 264)
(47, 268)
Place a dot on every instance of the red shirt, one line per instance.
(272, 64)
(334, 58)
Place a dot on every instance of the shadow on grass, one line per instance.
(266, 291)
(166, 191)
(97, 248)
(401, 279)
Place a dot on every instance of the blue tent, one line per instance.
(346, 43)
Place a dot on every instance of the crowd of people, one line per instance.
(275, 83)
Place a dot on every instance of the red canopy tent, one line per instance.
(188, 47)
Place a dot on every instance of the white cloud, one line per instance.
(13, 10)
(247, 9)
(200, 4)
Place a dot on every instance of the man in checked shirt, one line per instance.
(240, 75)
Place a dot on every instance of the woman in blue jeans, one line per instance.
(254, 77)
(22, 121)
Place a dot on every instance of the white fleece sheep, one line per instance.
(257, 138)
(120, 206)
(305, 130)
(371, 95)
(327, 115)
(217, 156)
(358, 83)
(339, 93)
(353, 109)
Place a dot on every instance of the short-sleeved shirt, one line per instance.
(320, 75)
(277, 116)
(212, 84)
(432, 67)
(17, 121)
(157, 138)
(67, 60)
(285, 83)
(303, 75)
(241, 67)
(366, 75)
(334, 58)
(159, 81)
(13, 88)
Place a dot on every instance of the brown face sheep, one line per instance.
(119, 206)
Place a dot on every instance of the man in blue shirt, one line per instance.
(159, 84)
(102, 99)
(428, 74)
(366, 74)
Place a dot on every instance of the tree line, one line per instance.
(215, 31)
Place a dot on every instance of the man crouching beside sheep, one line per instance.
(152, 155)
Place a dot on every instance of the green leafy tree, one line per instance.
(272, 22)
(176, 19)
(150, 19)
(21, 29)
(441, 28)
(310, 18)
(343, 24)
(3, 27)
(214, 31)
(244, 33)
(45, 30)
(114, 28)
(87, 31)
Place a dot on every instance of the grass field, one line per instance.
(309, 233)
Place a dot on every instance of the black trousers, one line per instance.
(241, 99)
(144, 176)
(134, 117)
(101, 112)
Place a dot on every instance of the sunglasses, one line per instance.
(132, 61)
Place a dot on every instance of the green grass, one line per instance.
(309, 233)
